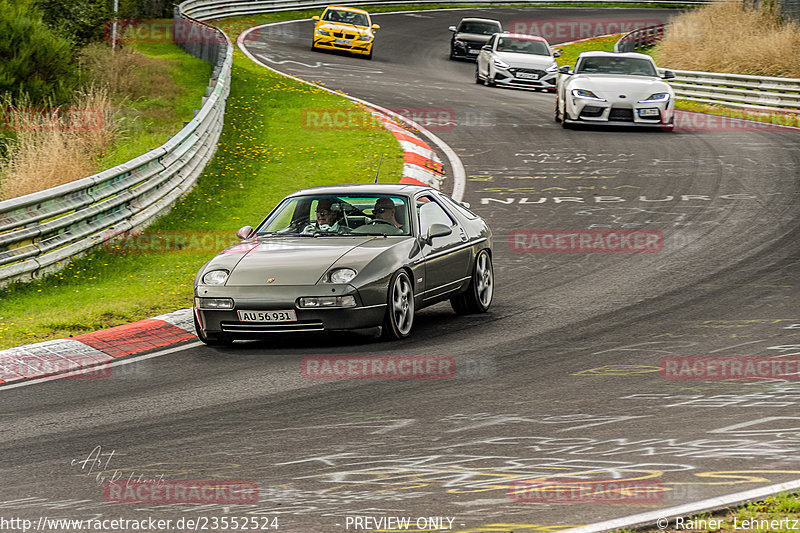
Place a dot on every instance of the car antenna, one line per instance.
(379, 170)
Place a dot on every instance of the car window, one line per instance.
(491, 41)
(631, 66)
(522, 46)
(480, 28)
(346, 17)
(452, 204)
(430, 212)
(331, 215)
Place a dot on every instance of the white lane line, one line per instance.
(688, 509)
(88, 369)
(459, 174)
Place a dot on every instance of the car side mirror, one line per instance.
(557, 53)
(315, 18)
(564, 70)
(465, 204)
(668, 75)
(437, 230)
(487, 47)
(452, 28)
(375, 27)
(245, 232)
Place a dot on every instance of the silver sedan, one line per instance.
(347, 258)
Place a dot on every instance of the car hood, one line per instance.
(525, 60)
(347, 28)
(473, 37)
(611, 86)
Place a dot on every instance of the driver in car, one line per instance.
(327, 219)
(384, 210)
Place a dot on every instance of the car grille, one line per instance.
(540, 73)
(283, 327)
(622, 115)
(342, 35)
(591, 111)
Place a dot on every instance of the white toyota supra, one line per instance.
(620, 89)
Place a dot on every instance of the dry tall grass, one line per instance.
(725, 37)
(50, 147)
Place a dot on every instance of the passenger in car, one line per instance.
(385, 210)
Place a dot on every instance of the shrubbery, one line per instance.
(35, 60)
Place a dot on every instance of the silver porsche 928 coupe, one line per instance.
(346, 258)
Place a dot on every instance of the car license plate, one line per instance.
(342, 41)
(527, 76)
(648, 112)
(474, 51)
(268, 316)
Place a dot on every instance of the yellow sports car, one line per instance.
(344, 28)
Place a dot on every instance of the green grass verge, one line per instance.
(775, 514)
(263, 154)
(149, 120)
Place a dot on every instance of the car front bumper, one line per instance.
(354, 46)
(523, 77)
(638, 114)
(369, 311)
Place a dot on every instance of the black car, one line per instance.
(470, 35)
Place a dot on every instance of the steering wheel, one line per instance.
(380, 221)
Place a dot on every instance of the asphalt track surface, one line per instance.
(559, 380)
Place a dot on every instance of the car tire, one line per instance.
(564, 123)
(220, 339)
(480, 292)
(557, 114)
(369, 55)
(478, 79)
(399, 307)
(489, 82)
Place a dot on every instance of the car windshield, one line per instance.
(631, 66)
(346, 17)
(480, 28)
(522, 46)
(332, 215)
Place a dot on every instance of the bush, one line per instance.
(37, 62)
(83, 21)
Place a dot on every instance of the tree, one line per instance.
(34, 59)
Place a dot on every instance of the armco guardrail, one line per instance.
(735, 90)
(639, 38)
(738, 90)
(41, 232)
(214, 9)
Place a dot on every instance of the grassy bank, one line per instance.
(775, 514)
(264, 153)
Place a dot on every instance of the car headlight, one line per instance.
(215, 277)
(213, 303)
(341, 275)
(499, 63)
(316, 302)
(324, 32)
(656, 97)
(552, 68)
(364, 37)
(589, 95)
